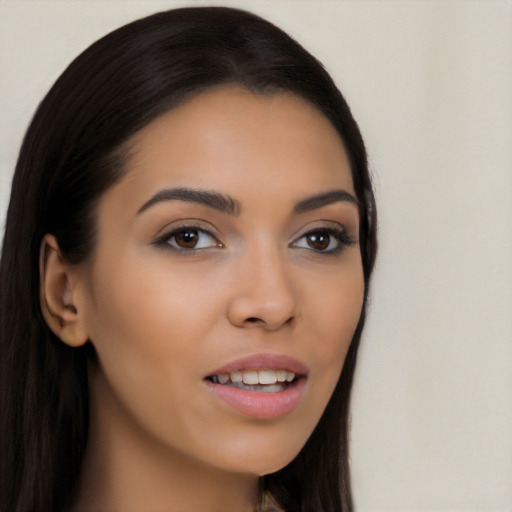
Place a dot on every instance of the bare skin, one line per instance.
(180, 286)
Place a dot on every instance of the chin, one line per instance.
(265, 460)
(271, 466)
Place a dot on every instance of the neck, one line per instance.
(126, 471)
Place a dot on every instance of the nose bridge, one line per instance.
(264, 293)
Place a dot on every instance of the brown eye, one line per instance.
(318, 240)
(324, 241)
(187, 239)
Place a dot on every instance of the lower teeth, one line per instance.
(265, 388)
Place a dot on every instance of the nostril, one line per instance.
(256, 321)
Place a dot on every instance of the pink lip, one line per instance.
(263, 362)
(257, 404)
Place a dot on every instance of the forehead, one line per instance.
(237, 141)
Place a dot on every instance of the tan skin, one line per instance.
(179, 288)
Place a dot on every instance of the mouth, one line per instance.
(260, 386)
(260, 381)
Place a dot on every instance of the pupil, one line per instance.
(319, 241)
(187, 239)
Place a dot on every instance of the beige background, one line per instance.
(430, 83)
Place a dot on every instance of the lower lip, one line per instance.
(258, 404)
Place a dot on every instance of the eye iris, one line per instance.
(187, 239)
(319, 241)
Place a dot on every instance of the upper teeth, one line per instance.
(253, 377)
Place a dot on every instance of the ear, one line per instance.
(58, 294)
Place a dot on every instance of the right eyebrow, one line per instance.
(215, 200)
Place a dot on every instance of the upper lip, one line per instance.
(263, 362)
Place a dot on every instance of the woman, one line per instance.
(184, 275)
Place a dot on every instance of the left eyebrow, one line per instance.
(324, 199)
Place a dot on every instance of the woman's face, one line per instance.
(228, 251)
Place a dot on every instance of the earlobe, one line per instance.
(58, 294)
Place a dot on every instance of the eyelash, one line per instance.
(339, 235)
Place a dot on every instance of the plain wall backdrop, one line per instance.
(430, 83)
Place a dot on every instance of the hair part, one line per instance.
(74, 150)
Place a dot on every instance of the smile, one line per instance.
(264, 381)
(264, 386)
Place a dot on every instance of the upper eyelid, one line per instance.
(328, 230)
(178, 225)
(320, 225)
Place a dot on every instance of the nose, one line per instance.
(263, 294)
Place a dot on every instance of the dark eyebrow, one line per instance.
(323, 199)
(220, 202)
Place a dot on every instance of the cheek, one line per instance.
(151, 325)
(151, 306)
(335, 318)
(148, 328)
